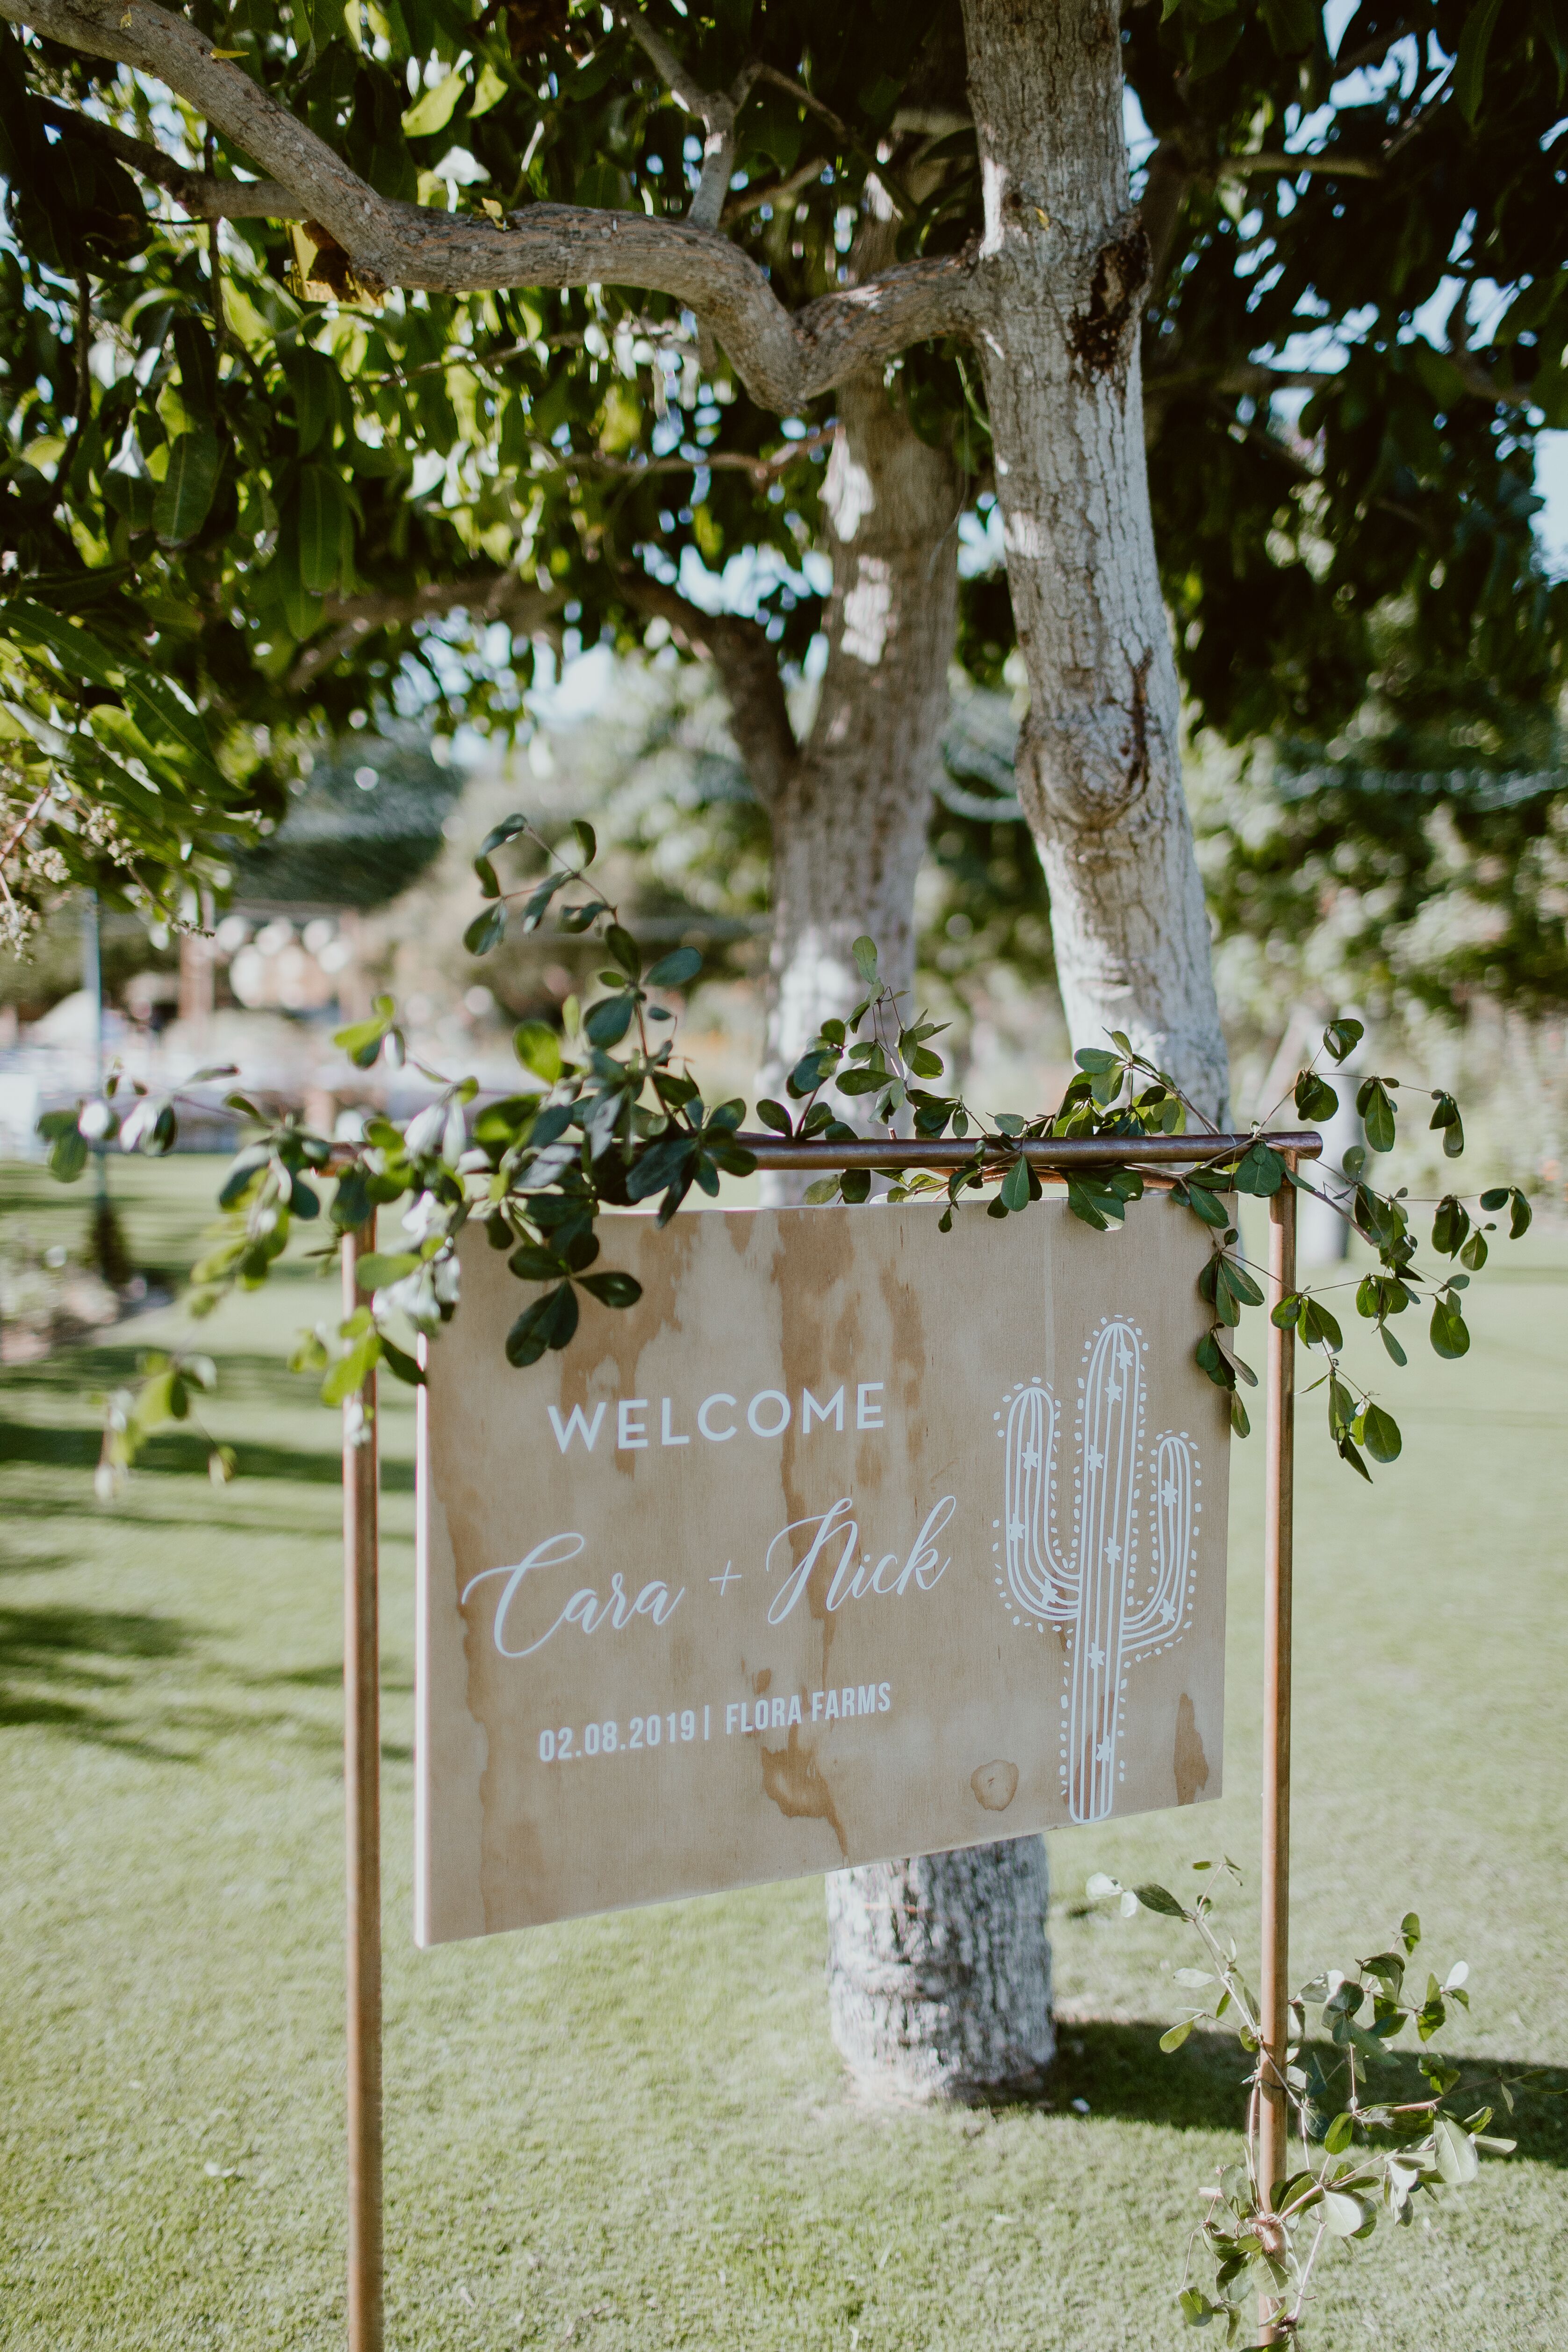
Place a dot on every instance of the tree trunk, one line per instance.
(850, 819)
(1099, 762)
(938, 1972)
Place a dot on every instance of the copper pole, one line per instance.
(1060, 1152)
(362, 1798)
(1274, 2116)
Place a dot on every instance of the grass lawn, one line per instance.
(633, 2131)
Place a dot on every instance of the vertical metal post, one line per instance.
(1273, 2162)
(92, 988)
(361, 1795)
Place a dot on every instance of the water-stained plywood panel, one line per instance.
(851, 1539)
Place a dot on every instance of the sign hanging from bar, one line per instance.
(851, 1540)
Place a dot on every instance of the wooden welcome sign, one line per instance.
(851, 1540)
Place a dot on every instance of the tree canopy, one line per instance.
(536, 308)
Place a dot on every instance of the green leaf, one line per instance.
(1391, 1344)
(377, 1268)
(1342, 2214)
(325, 528)
(1376, 1107)
(67, 1155)
(186, 494)
(808, 1073)
(1158, 1898)
(1319, 1327)
(613, 1290)
(1519, 1214)
(549, 1322)
(530, 1263)
(1238, 1282)
(490, 886)
(403, 1366)
(1380, 1433)
(1015, 1184)
(864, 951)
(1340, 2134)
(351, 1370)
(663, 1163)
(774, 1115)
(1197, 2308)
(1315, 1099)
(1450, 1223)
(1469, 71)
(675, 970)
(1341, 1037)
(587, 840)
(1446, 1116)
(500, 835)
(1177, 2034)
(538, 1048)
(1455, 2151)
(1450, 1336)
(1204, 1203)
(823, 1190)
(486, 931)
(606, 1023)
(624, 950)
(1259, 1171)
(433, 112)
(1474, 1253)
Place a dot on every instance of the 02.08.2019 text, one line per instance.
(567, 1745)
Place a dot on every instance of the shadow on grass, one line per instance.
(184, 1455)
(64, 1669)
(1122, 2073)
(57, 1668)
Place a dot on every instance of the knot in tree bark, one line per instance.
(1101, 331)
(1086, 769)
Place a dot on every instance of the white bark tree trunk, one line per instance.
(1067, 267)
(850, 819)
(938, 1971)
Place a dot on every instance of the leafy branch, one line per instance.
(609, 1119)
(1358, 2158)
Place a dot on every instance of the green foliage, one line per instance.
(250, 451)
(1357, 2160)
(604, 1129)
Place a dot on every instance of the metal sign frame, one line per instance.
(1161, 1158)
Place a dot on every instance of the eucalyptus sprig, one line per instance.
(609, 1119)
(1358, 2157)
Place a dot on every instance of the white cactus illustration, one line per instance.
(1122, 1581)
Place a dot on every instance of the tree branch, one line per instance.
(202, 195)
(1169, 177)
(1273, 162)
(774, 192)
(784, 361)
(716, 110)
(494, 596)
(748, 668)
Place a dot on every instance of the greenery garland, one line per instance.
(612, 1122)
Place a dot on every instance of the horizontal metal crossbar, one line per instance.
(1063, 1152)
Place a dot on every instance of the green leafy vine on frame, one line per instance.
(611, 1121)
